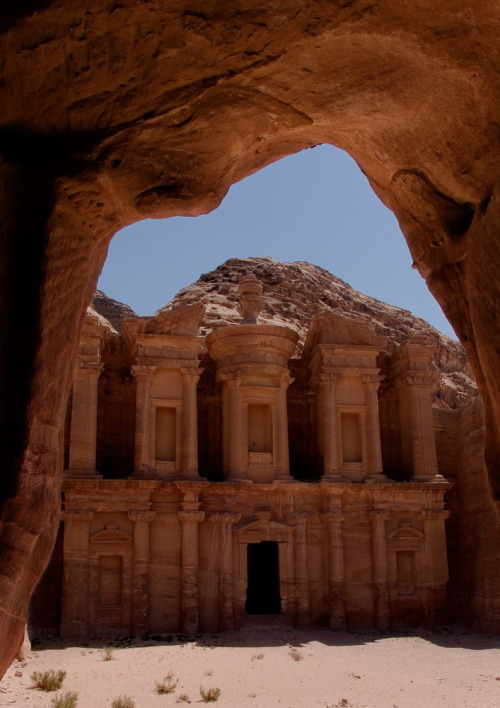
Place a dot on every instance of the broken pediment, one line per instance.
(335, 327)
(178, 321)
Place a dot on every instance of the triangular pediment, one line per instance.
(337, 328)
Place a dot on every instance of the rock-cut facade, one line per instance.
(214, 478)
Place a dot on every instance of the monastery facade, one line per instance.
(212, 479)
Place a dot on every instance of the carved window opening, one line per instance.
(352, 446)
(110, 581)
(259, 428)
(405, 569)
(263, 589)
(165, 434)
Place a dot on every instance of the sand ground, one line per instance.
(262, 667)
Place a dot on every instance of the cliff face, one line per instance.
(294, 292)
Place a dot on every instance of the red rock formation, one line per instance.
(124, 110)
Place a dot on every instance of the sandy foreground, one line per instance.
(261, 667)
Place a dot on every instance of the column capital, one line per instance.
(148, 516)
(77, 515)
(371, 381)
(286, 380)
(191, 374)
(298, 518)
(227, 517)
(232, 378)
(379, 515)
(334, 517)
(144, 371)
(88, 368)
(327, 378)
(435, 514)
(194, 517)
(424, 380)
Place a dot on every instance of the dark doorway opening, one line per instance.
(263, 591)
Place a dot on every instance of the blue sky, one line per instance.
(314, 206)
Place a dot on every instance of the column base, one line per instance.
(332, 478)
(284, 479)
(188, 477)
(81, 474)
(238, 479)
(377, 477)
(432, 478)
(146, 475)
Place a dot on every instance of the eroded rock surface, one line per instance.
(116, 111)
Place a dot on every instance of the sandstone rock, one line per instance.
(137, 110)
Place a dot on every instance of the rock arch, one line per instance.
(140, 108)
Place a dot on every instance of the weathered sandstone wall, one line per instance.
(116, 111)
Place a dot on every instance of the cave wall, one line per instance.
(118, 111)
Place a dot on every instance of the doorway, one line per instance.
(263, 589)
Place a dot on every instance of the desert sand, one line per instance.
(275, 666)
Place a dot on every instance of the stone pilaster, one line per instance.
(374, 465)
(189, 425)
(328, 433)
(380, 568)
(225, 521)
(281, 447)
(140, 571)
(143, 464)
(190, 521)
(420, 386)
(75, 586)
(299, 520)
(436, 562)
(83, 433)
(336, 574)
(236, 463)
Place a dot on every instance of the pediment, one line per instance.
(111, 533)
(405, 531)
(265, 528)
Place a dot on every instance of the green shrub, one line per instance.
(48, 680)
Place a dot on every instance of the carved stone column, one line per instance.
(75, 586)
(328, 433)
(374, 449)
(142, 459)
(225, 521)
(420, 387)
(189, 425)
(83, 434)
(236, 465)
(336, 575)
(302, 597)
(140, 571)
(281, 448)
(436, 563)
(190, 623)
(380, 568)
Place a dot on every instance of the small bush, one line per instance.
(48, 680)
(257, 657)
(168, 685)
(183, 698)
(123, 702)
(66, 700)
(209, 696)
(208, 673)
(296, 655)
(107, 653)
